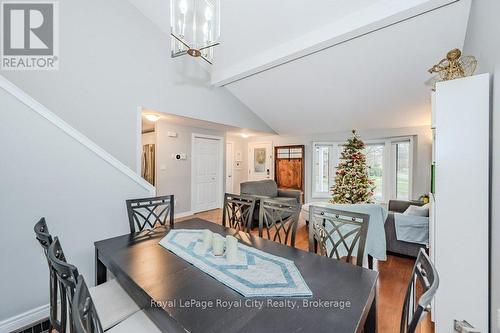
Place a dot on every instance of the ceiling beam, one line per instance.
(370, 19)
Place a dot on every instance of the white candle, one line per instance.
(218, 245)
(231, 248)
(207, 239)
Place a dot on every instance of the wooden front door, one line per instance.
(289, 167)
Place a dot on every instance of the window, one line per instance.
(402, 150)
(325, 160)
(390, 162)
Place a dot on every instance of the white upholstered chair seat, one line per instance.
(138, 322)
(112, 303)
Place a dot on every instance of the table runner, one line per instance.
(254, 274)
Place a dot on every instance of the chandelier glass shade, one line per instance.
(195, 27)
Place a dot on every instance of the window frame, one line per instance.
(394, 167)
(321, 195)
(389, 176)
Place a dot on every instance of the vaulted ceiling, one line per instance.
(317, 66)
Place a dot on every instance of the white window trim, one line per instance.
(390, 172)
(314, 194)
(393, 193)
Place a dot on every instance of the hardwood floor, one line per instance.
(394, 275)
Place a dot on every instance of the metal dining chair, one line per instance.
(112, 302)
(238, 211)
(279, 220)
(44, 237)
(338, 234)
(148, 213)
(424, 281)
(65, 275)
(85, 317)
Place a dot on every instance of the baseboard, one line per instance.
(24, 319)
(183, 214)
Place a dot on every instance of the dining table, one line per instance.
(179, 297)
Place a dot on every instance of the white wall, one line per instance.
(482, 41)
(174, 176)
(241, 174)
(422, 147)
(45, 172)
(112, 60)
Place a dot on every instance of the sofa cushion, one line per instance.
(262, 187)
(286, 200)
(417, 211)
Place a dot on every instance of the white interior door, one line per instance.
(260, 161)
(229, 167)
(206, 173)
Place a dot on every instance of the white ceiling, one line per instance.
(249, 27)
(374, 81)
(158, 11)
(148, 126)
(273, 58)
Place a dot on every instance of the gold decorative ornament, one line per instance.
(452, 67)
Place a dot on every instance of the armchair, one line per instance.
(268, 189)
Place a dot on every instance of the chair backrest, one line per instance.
(238, 211)
(42, 234)
(279, 220)
(338, 233)
(83, 312)
(44, 237)
(419, 294)
(66, 276)
(148, 213)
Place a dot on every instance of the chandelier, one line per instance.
(195, 27)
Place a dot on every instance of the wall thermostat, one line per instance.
(180, 156)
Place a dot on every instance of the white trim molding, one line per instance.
(24, 319)
(183, 214)
(72, 132)
(138, 129)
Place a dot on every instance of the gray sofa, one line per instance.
(395, 246)
(268, 189)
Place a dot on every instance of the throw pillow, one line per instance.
(417, 211)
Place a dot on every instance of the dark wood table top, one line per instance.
(150, 273)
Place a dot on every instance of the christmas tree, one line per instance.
(352, 184)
